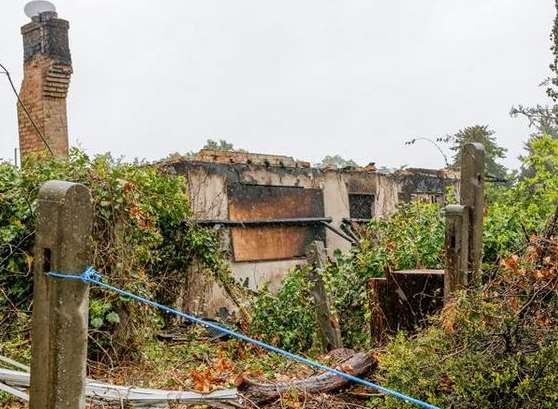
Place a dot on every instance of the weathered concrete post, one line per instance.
(472, 197)
(60, 307)
(328, 323)
(457, 248)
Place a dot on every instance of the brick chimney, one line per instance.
(46, 78)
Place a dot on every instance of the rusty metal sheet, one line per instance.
(257, 202)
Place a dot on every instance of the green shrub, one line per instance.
(410, 238)
(141, 241)
(480, 355)
(287, 318)
(494, 347)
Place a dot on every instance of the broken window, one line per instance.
(361, 206)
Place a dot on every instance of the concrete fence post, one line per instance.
(60, 307)
(472, 197)
(457, 249)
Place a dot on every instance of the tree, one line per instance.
(539, 167)
(552, 82)
(337, 161)
(221, 145)
(545, 118)
(478, 134)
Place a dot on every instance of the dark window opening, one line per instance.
(361, 205)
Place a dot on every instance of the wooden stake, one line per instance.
(328, 322)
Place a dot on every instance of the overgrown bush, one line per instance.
(141, 241)
(287, 318)
(514, 213)
(411, 238)
(496, 348)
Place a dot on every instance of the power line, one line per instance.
(27, 113)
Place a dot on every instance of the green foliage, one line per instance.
(552, 91)
(287, 318)
(540, 184)
(411, 238)
(497, 347)
(425, 369)
(489, 349)
(337, 161)
(542, 118)
(514, 213)
(141, 240)
(478, 134)
(221, 145)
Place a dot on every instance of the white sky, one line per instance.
(299, 77)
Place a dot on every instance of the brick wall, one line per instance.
(47, 71)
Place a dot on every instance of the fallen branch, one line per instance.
(359, 364)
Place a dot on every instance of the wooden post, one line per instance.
(472, 197)
(60, 307)
(328, 323)
(457, 249)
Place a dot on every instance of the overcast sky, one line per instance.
(303, 78)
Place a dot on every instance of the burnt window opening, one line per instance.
(361, 206)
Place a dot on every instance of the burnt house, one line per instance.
(272, 207)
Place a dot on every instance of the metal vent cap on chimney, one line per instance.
(37, 7)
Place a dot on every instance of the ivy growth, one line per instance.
(142, 241)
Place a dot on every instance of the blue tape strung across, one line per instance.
(93, 277)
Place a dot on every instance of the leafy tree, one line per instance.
(540, 171)
(221, 145)
(552, 90)
(479, 134)
(337, 161)
(175, 156)
(541, 117)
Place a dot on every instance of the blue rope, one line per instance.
(93, 277)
